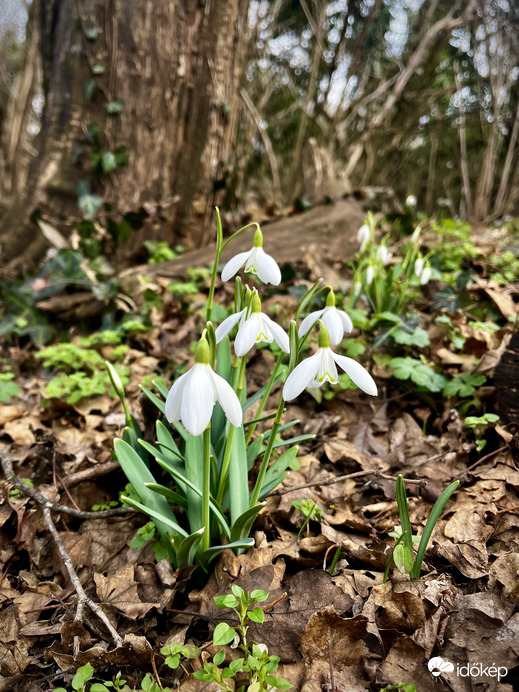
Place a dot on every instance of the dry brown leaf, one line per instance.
(471, 559)
(10, 413)
(120, 590)
(505, 571)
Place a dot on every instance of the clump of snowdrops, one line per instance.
(202, 438)
(387, 282)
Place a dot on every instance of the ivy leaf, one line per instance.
(114, 107)
(89, 205)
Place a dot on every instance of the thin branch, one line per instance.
(47, 507)
(54, 506)
(376, 473)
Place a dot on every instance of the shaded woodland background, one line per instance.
(134, 120)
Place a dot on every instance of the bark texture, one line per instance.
(175, 66)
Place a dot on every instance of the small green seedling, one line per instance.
(310, 511)
(478, 424)
(405, 559)
(255, 667)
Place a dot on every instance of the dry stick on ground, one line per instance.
(47, 507)
(337, 479)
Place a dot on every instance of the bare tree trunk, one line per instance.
(169, 73)
(16, 148)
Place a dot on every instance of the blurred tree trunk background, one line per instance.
(153, 112)
(139, 113)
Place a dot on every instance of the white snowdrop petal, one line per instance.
(346, 321)
(233, 265)
(327, 370)
(301, 376)
(198, 399)
(247, 335)
(227, 325)
(308, 322)
(267, 268)
(333, 324)
(228, 400)
(174, 398)
(358, 374)
(279, 334)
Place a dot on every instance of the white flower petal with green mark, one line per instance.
(257, 328)
(321, 368)
(257, 262)
(336, 322)
(301, 376)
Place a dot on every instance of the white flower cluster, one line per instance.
(192, 397)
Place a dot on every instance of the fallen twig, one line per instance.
(48, 507)
(422, 482)
(13, 480)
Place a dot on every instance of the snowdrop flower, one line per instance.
(383, 254)
(357, 286)
(192, 397)
(256, 328)
(419, 266)
(256, 261)
(370, 274)
(336, 321)
(411, 201)
(425, 276)
(322, 367)
(363, 236)
(416, 235)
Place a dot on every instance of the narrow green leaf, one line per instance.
(170, 495)
(138, 474)
(429, 526)
(187, 550)
(166, 464)
(243, 524)
(403, 511)
(153, 398)
(195, 475)
(172, 525)
(238, 476)
(209, 555)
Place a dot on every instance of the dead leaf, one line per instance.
(120, 590)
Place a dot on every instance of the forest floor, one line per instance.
(349, 630)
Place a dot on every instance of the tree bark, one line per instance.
(175, 68)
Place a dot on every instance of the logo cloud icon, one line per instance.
(438, 665)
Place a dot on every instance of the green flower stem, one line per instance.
(206, 490)
(219, 248)
(268, 453)
(265, 397)
(239, 375)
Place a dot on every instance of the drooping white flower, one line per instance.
(256, 328)
(419, 266)
(357, 287)
(192, 397)
(336, 321)
(416, 235)
(383, 254)
(370, 274)
(256, 262)
(363, 236)
(425, 276)
(411, 201)
(322, 367)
